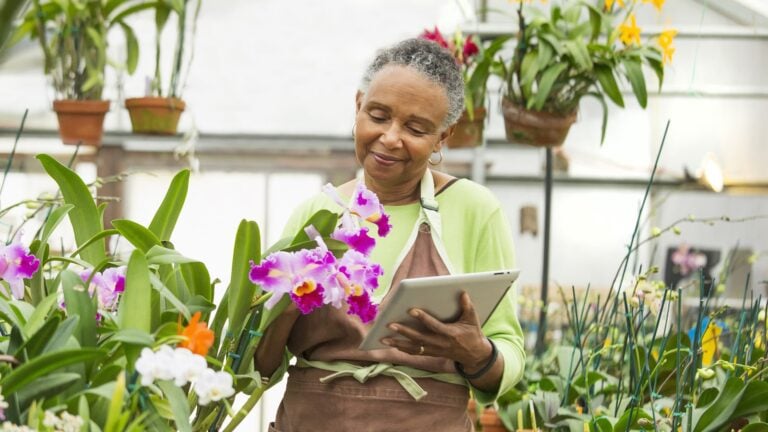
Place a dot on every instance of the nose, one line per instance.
(390, 136)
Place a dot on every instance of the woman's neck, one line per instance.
(403, 193)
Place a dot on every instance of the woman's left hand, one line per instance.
(461, 341)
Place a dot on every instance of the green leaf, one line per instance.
(162, 12)
(658, 68)
(324, 222)
(548, 78)
(163, 290)
(578, 51)
(755, 399)
(37, 319)
(44, 365)
(116, 406)
(134, 311)
(46, 386)
(198, 280)
(717, 414)
(707, 397)
(168, 213)
(608, 84)
(755, 427)
(635, 414)
(133, 337)
(34, 346)
(84, 215)
(635, 76)
(160, 255)
(131, 48)
(602, 424)
(247, 249)
(64, 331)
(79, 303)
(53, 221)
(529, 69)
(135, 233)
(604, 124)
(178, 402)
(100, 235)
(592, 378)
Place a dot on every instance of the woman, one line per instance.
(410, 98)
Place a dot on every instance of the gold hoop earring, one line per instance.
(354, 126)
(440, 153)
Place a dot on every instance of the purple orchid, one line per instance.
(360, 273)
(107, 286)
(297, 274)
(17, 263)
(362, 306)
(366, 205)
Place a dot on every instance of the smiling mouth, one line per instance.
(385, 158)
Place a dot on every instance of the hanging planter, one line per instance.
(468, 133)
(155, 115)
(536, 128)
(81, 121)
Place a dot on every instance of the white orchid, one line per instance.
(189, 366)
(213, 386)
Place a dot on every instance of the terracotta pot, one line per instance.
(155, 115)
(489, 419)
(536, 128)
(468, 133)
(81, 121)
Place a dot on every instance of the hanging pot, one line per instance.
(81, 121)
(155, 115)
(536, 128)
(468, 133)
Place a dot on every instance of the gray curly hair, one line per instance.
(431, 60)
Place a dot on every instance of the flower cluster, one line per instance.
(464, 49)
(182, 366)
(16, 264)
(315, 277)
(629, 32)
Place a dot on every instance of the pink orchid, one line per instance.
(469, 50)
(362, 306)
(106, 285)
(297, 274)
(435, 36)
(17, 263)
(360, 273)
(366, 205)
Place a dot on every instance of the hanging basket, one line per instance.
(536, 128)
(81, 121)
(155, 115)
(468, 133)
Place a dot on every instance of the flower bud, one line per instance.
(676, 230)
(691, 218)
(644, 423)
(655, 231)
(634, 302)
(705, 374)
(32, 205)
(728, 366)
(720, 288)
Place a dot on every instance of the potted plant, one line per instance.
(475, 61)
(575, 49)
(158, 112)
(73, 37)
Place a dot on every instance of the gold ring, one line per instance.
(421, 349)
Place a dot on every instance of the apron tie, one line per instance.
(403, 374)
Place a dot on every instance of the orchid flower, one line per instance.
(107, 286)
(297, 274)
(17, 263)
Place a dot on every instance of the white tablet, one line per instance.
(439, 296)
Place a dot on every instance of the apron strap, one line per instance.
(403, 374)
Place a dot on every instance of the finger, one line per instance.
(432, 323)
(414, 335)
(468, 313)
(405, 345)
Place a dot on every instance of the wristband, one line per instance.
(484, 369)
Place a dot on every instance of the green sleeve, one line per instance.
(495, 251)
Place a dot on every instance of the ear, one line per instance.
(359, 101)
(444, 135)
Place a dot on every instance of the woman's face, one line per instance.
(398, 125)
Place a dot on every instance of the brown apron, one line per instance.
(377, 402)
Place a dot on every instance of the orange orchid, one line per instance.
(198, 337)
(666, 39)
(630, 33)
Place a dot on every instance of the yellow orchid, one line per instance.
(666, 39)
(657, 3)
(630, 33)
(609, 3)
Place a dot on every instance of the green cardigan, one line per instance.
(477, 237)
